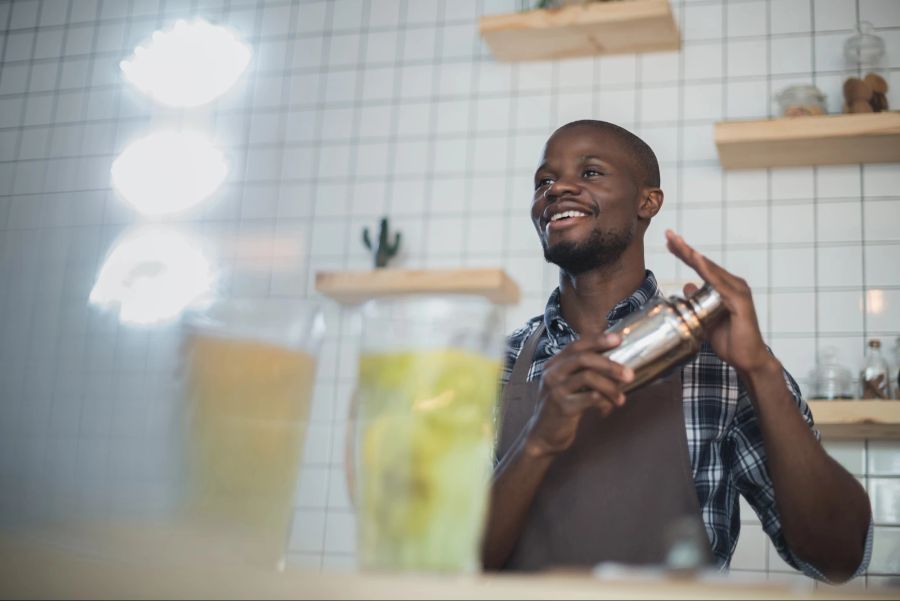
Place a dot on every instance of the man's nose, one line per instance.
(562, 186)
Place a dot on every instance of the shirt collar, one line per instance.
(561, 333)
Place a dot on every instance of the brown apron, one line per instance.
(616, 493)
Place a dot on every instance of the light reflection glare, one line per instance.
(875, 301)
(188, 65)
(152, 275)
(168, 172)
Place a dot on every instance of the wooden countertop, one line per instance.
(34, 570)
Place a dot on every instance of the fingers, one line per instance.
(585, 382)
(690, 256)
(570, 361)
(578, 380)
(605, 388)
(599, 344)
(713, 273)
(576, 403)
(707, 269)
(690, 289)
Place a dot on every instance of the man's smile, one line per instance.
(566, 215)
(564, 221)
(557, 218)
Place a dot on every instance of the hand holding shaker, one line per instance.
(664, 333)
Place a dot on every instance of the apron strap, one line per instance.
(523, 363)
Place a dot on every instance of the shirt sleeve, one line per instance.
(751, 476)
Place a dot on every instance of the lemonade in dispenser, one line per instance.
(422, 439)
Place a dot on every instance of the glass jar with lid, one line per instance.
(796, 101)
(864, 50)
(875, 375)
(831, 380)
(865, 79)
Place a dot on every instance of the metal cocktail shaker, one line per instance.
(664, 333)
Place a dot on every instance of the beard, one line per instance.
(599, 250)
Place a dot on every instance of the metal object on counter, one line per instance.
(665, 333)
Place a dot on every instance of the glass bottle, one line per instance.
(875, 376)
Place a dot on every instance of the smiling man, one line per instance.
(586, 473)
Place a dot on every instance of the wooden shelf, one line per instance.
(857, 419)
(353, 287)
(617, 27)
(811, 140)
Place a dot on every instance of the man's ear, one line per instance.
(651, 202)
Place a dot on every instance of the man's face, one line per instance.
(585, 199)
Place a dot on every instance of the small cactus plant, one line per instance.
(385, 250)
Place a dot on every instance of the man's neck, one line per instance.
(586, 299)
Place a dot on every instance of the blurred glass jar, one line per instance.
(801, 100)
(195, 463)
(864, 51)
(865, 84)
(421, 438)
(876, 375)
(831, 380)
(249, 371)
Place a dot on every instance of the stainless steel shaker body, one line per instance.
(664, 333)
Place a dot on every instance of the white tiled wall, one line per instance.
(357, 108)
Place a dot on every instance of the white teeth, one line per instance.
(565, 214)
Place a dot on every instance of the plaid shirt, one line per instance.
(723, 435)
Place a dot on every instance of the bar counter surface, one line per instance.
(30, 569)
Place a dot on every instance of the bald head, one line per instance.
(643, 160)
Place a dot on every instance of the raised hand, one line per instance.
(736, 339)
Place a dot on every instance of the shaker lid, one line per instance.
(706, 304)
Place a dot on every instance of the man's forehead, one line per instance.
(594, 142)
(583, 135)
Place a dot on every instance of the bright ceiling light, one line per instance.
(168, 172)
(187, 65)
(152, 275)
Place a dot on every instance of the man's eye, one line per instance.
(592, 172)
(544, 181)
